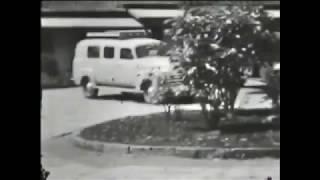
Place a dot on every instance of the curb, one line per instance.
(187, 152)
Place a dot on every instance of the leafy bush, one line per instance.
(216, 45)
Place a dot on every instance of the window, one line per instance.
(108, 52)
(93, 52)
(146, 50)
(126, 54)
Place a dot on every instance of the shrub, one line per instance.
(216, 46)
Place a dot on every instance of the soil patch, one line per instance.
(182, 129)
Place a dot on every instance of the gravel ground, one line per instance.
(66, 162)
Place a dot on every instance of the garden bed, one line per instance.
(185, 129)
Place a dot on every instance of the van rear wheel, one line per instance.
(89, 90)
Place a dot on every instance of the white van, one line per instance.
(115, 59)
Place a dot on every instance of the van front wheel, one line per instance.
(152, 94)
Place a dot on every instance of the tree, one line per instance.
(216, 45)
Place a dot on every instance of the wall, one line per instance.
(62, 42)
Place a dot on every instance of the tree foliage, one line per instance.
(216, 45)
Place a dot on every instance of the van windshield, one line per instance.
(147, 50)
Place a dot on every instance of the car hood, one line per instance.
(162, 62)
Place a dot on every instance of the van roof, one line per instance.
(117, 42)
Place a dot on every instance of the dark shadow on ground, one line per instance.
(54, 87)
(181, 100)
(139, 98)
(122, 97)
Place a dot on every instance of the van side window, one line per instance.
(126, 53)
(93, 52)
(108, 52)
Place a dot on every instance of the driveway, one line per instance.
(65, 110)
(66, 162)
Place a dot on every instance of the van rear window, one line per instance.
(126, 53)
(108, 52)
(93, 52)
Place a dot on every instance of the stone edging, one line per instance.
(189, 152)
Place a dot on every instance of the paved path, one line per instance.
(66, 162)
(66, 110)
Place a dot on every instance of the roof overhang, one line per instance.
(49, 22)
(155, 13)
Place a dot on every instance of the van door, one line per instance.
(105, 68)
(126, 69)
(93, 57)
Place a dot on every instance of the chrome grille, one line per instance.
(176, 78)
